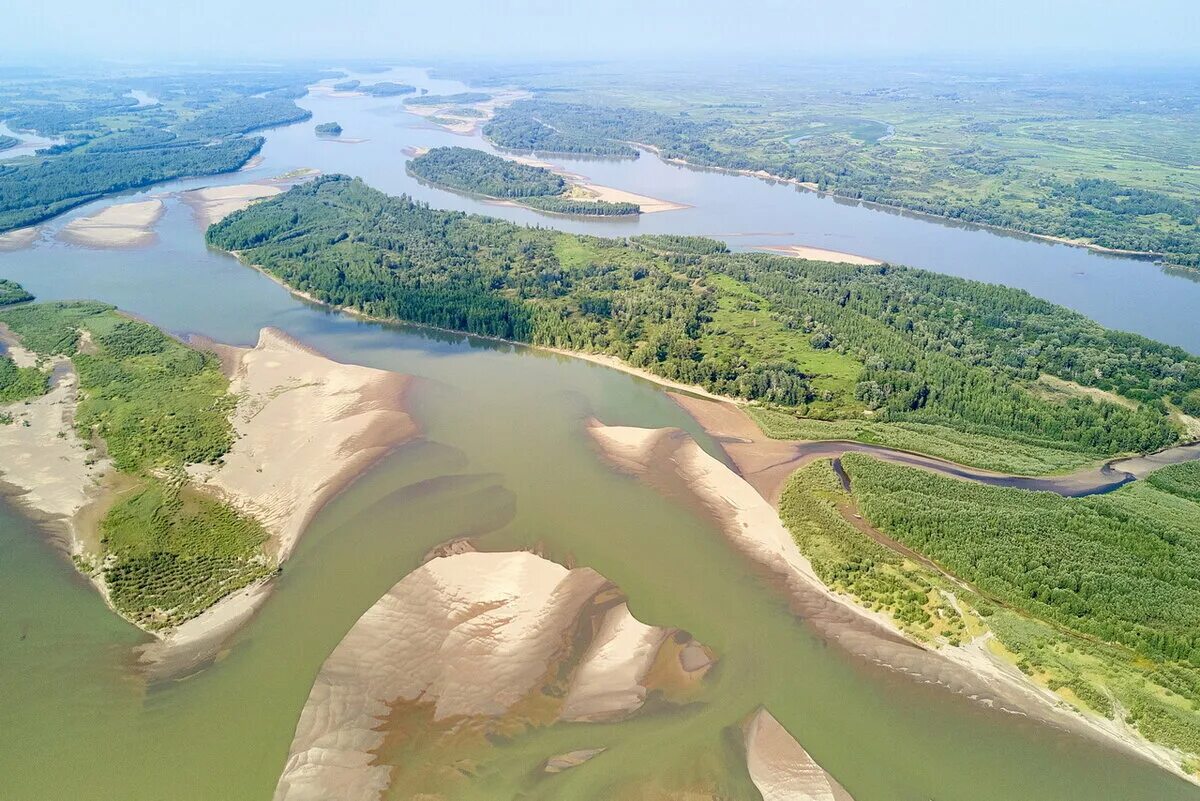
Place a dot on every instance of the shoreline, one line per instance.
(1140, 255)
(974, 655)
(601, 359)
(818, 254)
(669, 458)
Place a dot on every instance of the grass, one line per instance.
(974, 450)
(172, 552)
(744, 322)
(850, 562)
(20, 383)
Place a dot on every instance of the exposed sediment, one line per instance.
(474, 638)
(119, 226)
(781, 769)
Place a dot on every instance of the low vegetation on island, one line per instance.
(152, 405)
(457, 99)
(470, 170)
(8, 142)
(882, 344)
(328, 129)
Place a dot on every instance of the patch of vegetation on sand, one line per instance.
(168, 551)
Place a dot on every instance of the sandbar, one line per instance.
(467, 636)
(120, 226)
(648, 205)
(818, 254)
(215, 203)
(781, 769)
(18, 239)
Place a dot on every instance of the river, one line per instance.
(505, 458)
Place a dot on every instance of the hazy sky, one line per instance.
(133, 29)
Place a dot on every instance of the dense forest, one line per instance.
(34, 191)
(1100, 211)
(328, 129)
(470, 170)
(111, 143)
(902, 345)
(1124, 567)
(7, 142)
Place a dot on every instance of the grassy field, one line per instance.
(154, 405)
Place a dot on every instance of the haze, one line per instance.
(137, 29)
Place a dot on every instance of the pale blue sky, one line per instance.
(137, 29)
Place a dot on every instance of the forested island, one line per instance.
(346, 86)
(113, 144)
(988, 176)
(387, 89)
(328, 129)
(830, 341)
(470, 170)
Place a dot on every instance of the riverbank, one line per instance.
(812, 187)
(306, 428)
(214, 203)
(668, 458)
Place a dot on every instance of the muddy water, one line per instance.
(505, 459)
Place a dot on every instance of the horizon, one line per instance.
(1161, 32)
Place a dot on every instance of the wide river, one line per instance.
(505, 459)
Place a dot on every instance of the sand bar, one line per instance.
(818, 254)
(120, 226)
(781, 769)
(215, 203)
(471, 635)
(18, 239)
(648, 205)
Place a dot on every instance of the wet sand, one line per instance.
(780, 767)
(18, 239)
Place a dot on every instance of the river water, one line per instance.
(505, 459)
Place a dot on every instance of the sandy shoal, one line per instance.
(18, 239)
(215, 203)
(44, 460)
(818, 254)
(120, 226)
(781, 769)
(473, 635)
(648, 205)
